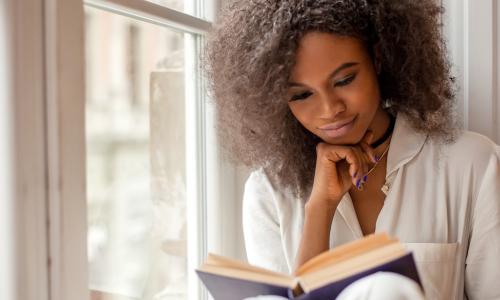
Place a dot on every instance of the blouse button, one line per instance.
(385, 188)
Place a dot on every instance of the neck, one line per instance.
(379, 126)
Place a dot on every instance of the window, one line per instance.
(146, 198)
(180, 5)
(43, 201)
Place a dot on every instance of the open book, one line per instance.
(322, 277)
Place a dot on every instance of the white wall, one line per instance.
(472, 31)
(7, 253)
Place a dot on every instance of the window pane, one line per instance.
(186, 6)
(136, 177)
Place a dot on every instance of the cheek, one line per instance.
(303, 113)
(364, 95)
(298, 112)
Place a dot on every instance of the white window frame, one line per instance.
(23, 226)
(43, 204)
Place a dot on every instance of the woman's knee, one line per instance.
(382, 285)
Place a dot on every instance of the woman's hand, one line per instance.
(338, 168)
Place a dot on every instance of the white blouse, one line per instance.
(442, 201)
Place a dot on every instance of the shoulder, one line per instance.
(471, 163)
(263, 192)
(259, 193)
(469, 150)
(258, 183)
(469, 142)
(260, 208)
(262, 181)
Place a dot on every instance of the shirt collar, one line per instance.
(405, 144)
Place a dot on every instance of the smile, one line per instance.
(335, 130)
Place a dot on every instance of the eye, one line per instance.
(301, 96)
(345, 81)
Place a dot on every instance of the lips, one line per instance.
(338, 124)
(339, 128)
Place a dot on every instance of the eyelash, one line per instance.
(341, 83)
(345, 81)
(298, 97)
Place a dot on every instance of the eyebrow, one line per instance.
(335, 72)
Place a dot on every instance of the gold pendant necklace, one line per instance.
(373, 168)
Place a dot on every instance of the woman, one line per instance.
(345, 112)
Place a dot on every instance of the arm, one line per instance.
(316, 233)
(482, 268)
(261, 226)
(337, 169)
(335, 172)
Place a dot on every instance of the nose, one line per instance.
(330, 105)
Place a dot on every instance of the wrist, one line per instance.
(318, 206)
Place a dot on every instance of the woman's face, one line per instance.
(333, 88)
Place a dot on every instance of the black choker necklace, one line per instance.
(387, 133)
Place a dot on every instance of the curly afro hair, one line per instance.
(251, 50)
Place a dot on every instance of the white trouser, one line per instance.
(381, 285)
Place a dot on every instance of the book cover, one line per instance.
(229, 288)
(404, 265)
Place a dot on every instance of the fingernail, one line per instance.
(365, 177)
(357, 183)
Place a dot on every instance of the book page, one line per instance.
(344, 252)
(281, 280)
(311, 281)
(220, 261)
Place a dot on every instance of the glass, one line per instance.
(185, 6)
(136, 176)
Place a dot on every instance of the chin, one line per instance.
(345, 140)
(352, 138)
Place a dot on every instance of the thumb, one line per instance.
(368, 137)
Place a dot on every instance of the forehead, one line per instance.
(319, 53)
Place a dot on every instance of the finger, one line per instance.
(351, 158)
(354, 171)
(364, 160)
(369, 151)
(356, 178)
(364, 163)
(368, 137)
(362, 168)
(367, 166)
(336, 154)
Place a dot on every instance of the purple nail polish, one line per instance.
(365, 177)
(357, 183)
